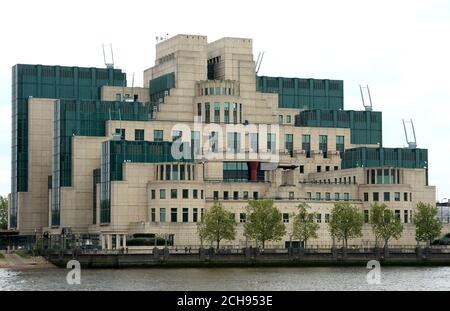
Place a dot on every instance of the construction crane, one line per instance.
(259, 61)
(367, 104)
(109, 65)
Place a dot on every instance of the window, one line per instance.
(340, 143)
(375, 197)
(318, 196)
(235, 195)
(346, 196)
(306, 144)
(318, 218)
(387, 196)
(199, 109)
(280, 119)
(201, 194)
(157, 135)
(289, 143)
(308, 195)
(173, 215)
(225, 195)
(397, 196)
(235, 113)
(185, 215)
(162, 193)
(168, 170)
(255, 195)
(175, 172)
(121, 132)
(185, 193)
(207, 113)
(226, 111)
(173, 193)
(319, 168)
(216, 112)
(153, 194)
(327, 168)
(118, 97)
(327, 218)
(195, 194)
(234, 142)
(288, 119)
(366, 196)
(162, 214)
(405, 216)
(242, 217)
(245, 195)
(302, 169)
(405, 196)
(216, 195)
(138, 134)
(153, 214)
(214, 141)
(366, 216)
(397, 213)
(291, 195)
(285, 217)
(336, 167)
(182, 172)
(195, 214)
(271, 142)
(323, 144)
(327, 196)
(336, 196)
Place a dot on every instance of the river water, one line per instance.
(234, 279)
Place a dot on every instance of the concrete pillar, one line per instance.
(102, 237)
(109, 237)
(124, 241)
(118, 244)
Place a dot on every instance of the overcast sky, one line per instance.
(400, 49)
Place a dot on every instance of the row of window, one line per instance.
(327, 196)
(387, 196)
(175, 171)
(174, 194)
(407, 216)
(207, 91)
(340, 180)
(195, 217)
(230, 112)
(227, 195)
(383, 176)
(281, 119)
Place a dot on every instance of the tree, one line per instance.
(3, 213)
(264, 222)
(217, 225)
(345, 223)
(428, 227)
(304, 226)
(385, 224)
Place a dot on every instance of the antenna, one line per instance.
(368, 106)
(411, 144)
(109, 65)
(259, 61)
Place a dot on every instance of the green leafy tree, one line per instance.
(3, 213)
(304, 226)
(428, 227)
(217, 225)
(345, 223)
(264, 222)
(385, 224)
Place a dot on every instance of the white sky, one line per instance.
(400, 49)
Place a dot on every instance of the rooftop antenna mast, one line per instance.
(368, 106)
(413, 143)
(109, 65)
(259, 61)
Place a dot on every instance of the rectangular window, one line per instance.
(336, 168)
(302, 169)
(327, 196)
(182, 172)
(185, 214)
(405, 196)
(327, 218)
(235, 195)
(271, 142)
(234, 142)
(308, 195)
(336, 196)
(216, 195)
(346, 196)
(225, 195)
(235, 113)
(207, 113)
(379, 176)
(168, 170)
(162, 193)
(245, 195)
(216, 112)
(387, 196)
(323, 144)
(340, 143)
(397, 196)
(291, 195)
(173, 193)
(175, 172)
(214, 141)
(162, 214)
(318, 218)
(280, 119)
(289, 143)
(319, 168)
(405, 216)
(318, 196)
(366, 196)
(285, 217)
(226, 111)
(201, 194)
(185, 193)
(158, 135)
(153, 194)
(199, 109)
(242, 217)
(397, 213)
(121, 132)
(255, 195)
(366, 216)
(153, 214)
(376, 197)
(288, 119)
(306, 144)
(195, 194)
(138, 134)
(173, 215)
(195, 214)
